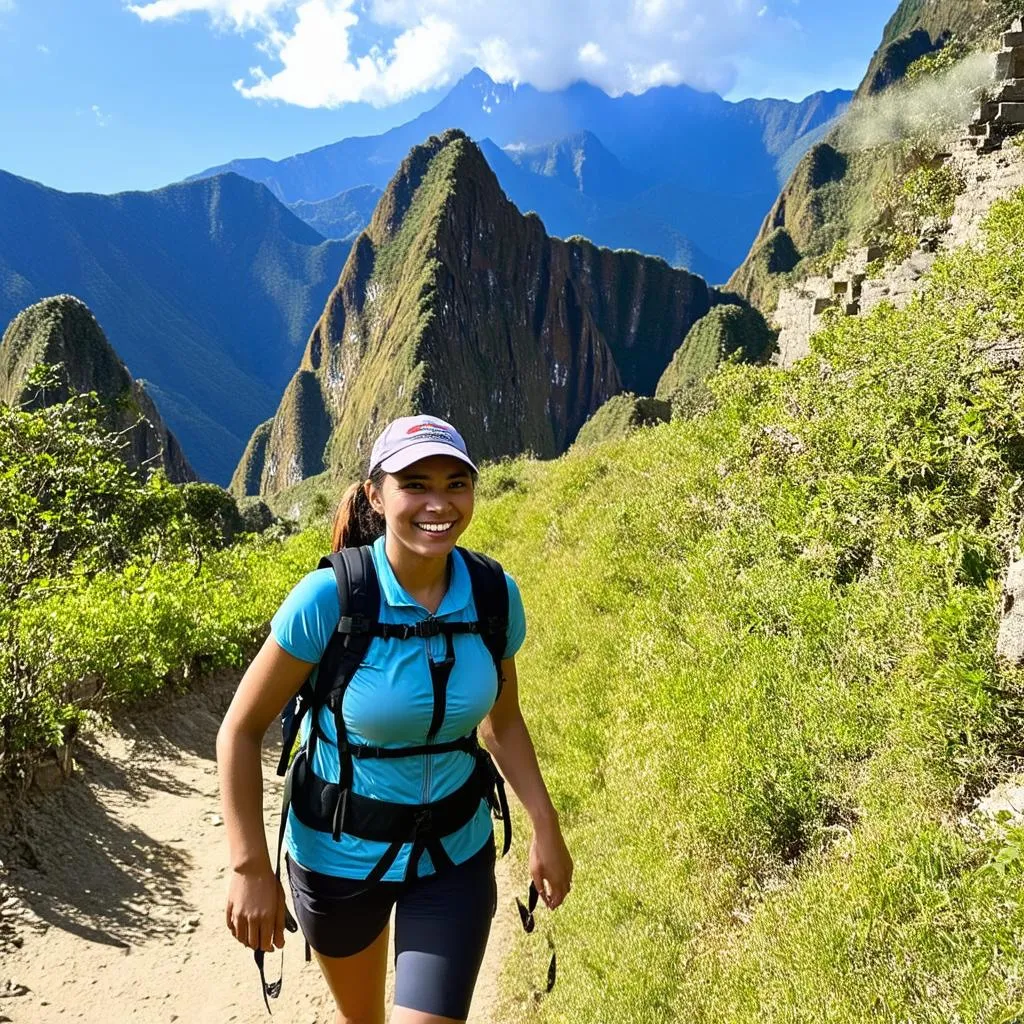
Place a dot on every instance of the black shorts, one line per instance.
(442, 923)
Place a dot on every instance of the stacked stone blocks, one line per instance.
(1001, 114)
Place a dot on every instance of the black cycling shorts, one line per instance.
(442, 923)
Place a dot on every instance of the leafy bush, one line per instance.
(111, 586)
(938, 62)
(255, 513)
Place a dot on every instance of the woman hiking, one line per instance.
(427, 680)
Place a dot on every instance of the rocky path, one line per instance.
(112, 894)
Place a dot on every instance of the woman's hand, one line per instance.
(255, 910)
(550, 865)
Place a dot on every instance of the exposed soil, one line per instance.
(112, 889)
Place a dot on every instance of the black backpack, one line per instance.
(330, 805)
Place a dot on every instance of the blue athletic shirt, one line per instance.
(389, 702)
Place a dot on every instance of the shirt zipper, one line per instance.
(425, 793)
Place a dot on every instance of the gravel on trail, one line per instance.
(112, 888)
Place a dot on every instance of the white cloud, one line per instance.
(326, 53)
(101, 119)
(240, 14)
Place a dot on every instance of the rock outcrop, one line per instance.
(62, 330)
(452, 302)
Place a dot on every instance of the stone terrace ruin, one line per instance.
(1002, 114)
(989, 171)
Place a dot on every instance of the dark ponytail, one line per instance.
(356, 523)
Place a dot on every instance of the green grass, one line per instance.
(760, 677)
(759, 673)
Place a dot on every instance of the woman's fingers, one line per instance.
(255, 911)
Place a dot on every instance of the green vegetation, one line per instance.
(620, 416)
(760, 672)
(937, 62)
(760, 675)
(725, 331)
(110, 586)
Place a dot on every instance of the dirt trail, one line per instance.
(112, 898)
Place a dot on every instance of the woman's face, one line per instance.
(427, 505)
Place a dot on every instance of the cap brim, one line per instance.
(415, 452)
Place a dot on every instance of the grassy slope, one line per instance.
(760, 676)
(717, 335)
(621, 415)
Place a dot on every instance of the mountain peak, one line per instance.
(62, 330)
(474, 79)
(454, 303)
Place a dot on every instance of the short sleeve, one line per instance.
(303, 624)
(516, 619)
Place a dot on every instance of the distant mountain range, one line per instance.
(673, 172)
(207, 290)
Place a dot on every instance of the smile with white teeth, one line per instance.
(435, 527)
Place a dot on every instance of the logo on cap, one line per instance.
(426, 426)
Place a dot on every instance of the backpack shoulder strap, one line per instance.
(490, 595)
(358, 602)
(359, 610)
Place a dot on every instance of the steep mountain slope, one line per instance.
(454, 303)
(689, 141)
(833, 193)
(566, 209)
(207, 290)
(62, 330)
(919, 26)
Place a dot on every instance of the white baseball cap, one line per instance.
(411, 438)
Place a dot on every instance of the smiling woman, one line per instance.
(403, 645)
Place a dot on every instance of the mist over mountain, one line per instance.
(670, 137)
(206, 289)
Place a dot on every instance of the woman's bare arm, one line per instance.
(505, 735)
(254, 914)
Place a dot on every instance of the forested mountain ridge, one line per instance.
(453, 302)
(207, 290)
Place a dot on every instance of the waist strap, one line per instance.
(315, 802)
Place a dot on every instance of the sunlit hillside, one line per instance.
(761, 676)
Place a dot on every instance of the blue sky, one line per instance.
(100, 96)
